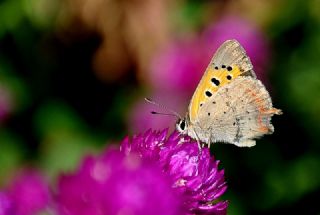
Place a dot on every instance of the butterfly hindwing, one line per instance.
(238, 113)
(229, 62)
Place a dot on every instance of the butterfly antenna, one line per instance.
(171, 112)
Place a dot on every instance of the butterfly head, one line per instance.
(182, 125)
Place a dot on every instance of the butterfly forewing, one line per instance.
(229, 62)
(232, 53)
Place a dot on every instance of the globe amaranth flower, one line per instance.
(28, 194)
(114, 183)
(194, 174)
(150, 174)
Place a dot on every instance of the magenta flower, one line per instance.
(29, 194)
(117, 184)
(151, 174)
(194, 174)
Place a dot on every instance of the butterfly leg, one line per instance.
(198, 140)
(209, 144)
(209, 140)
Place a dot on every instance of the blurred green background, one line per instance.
(73, 74)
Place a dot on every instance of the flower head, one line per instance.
(151, 174)
(193, 172)
(28, 194)
(117, 184)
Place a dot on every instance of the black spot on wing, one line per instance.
(215, 81)
(208, 93)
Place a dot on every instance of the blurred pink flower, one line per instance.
(6, 103)
(29, 193)
(179, 67)
(249, 36)
(140, 118)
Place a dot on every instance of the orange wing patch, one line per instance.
(264, 111)
(212, 80)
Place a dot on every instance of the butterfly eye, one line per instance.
(182, 125)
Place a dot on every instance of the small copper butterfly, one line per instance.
(229, 104)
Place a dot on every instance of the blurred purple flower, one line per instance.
(29, 193)
(253, 41)
(5, 204)
(117, 184)
(6, 103)
(194, 174)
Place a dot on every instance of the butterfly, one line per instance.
(229, 104)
